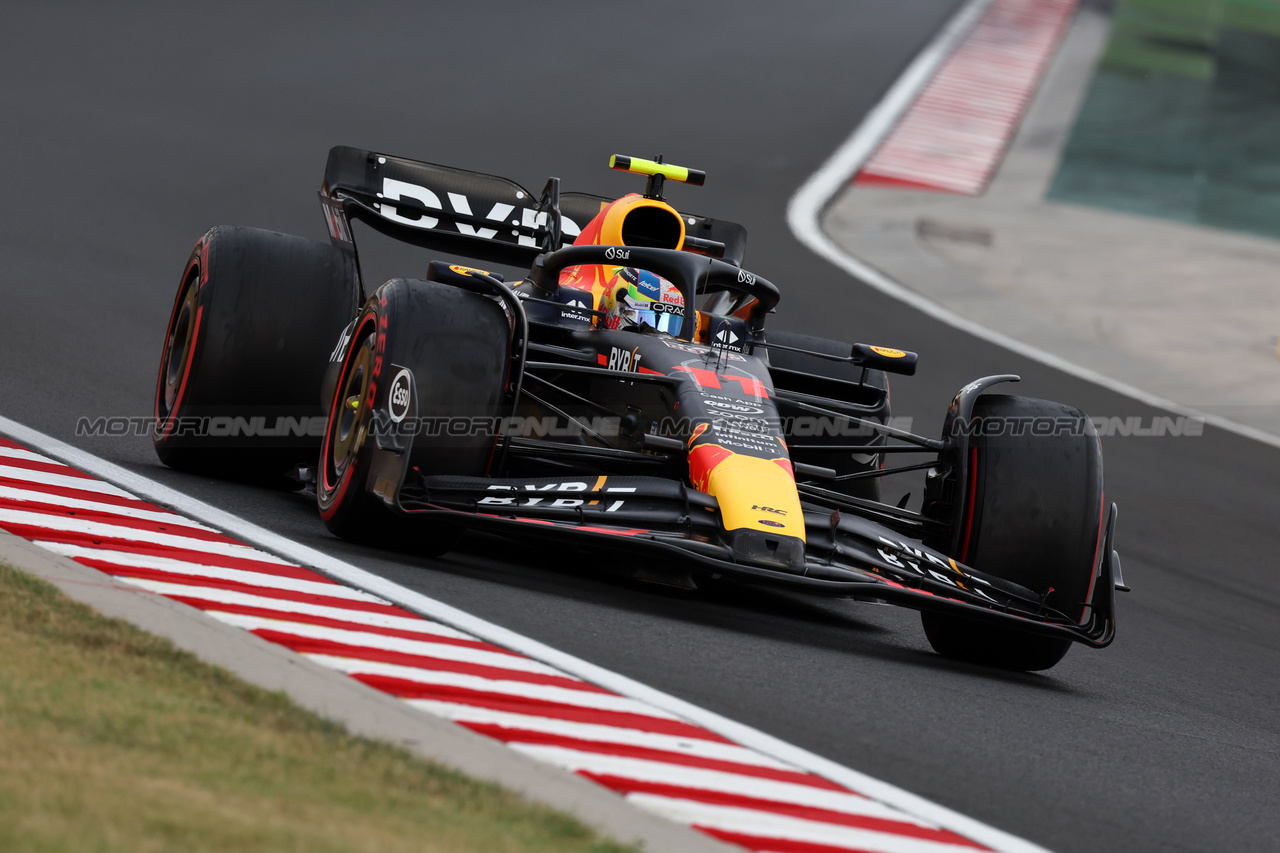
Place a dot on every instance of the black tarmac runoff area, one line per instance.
(130, 129)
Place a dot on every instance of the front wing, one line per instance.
(662, 528)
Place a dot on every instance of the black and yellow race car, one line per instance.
(623, 396)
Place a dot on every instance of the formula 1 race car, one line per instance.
(624, 396)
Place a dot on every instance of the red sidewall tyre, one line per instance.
(456, 347)
(255, 318)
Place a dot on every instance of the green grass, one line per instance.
(113, 740)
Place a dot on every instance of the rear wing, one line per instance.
(469, 213)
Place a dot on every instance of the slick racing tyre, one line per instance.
(1033, 515)
(417, 347)
(249, 336)
(843, 385)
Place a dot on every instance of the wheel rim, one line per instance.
(178, 349)
(349, 422)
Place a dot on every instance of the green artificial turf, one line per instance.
(1182, 117)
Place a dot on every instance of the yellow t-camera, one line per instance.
(650, 167)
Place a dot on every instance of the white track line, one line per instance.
(806, 207)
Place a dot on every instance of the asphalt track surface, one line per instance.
(128, 132)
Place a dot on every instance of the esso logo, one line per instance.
(398, 399)
(745, 277)
(613, 253)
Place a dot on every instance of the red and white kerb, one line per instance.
(654, 759)
(954, 135)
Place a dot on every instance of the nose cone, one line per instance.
(754, 493)
(755, 548)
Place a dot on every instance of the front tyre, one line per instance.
(456, 347)
(1033, 515)
(346, 507)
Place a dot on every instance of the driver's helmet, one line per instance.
(638, 298)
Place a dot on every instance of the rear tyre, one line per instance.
(845, 385)
(255, 318)
(456, 347)
(1033, 516)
